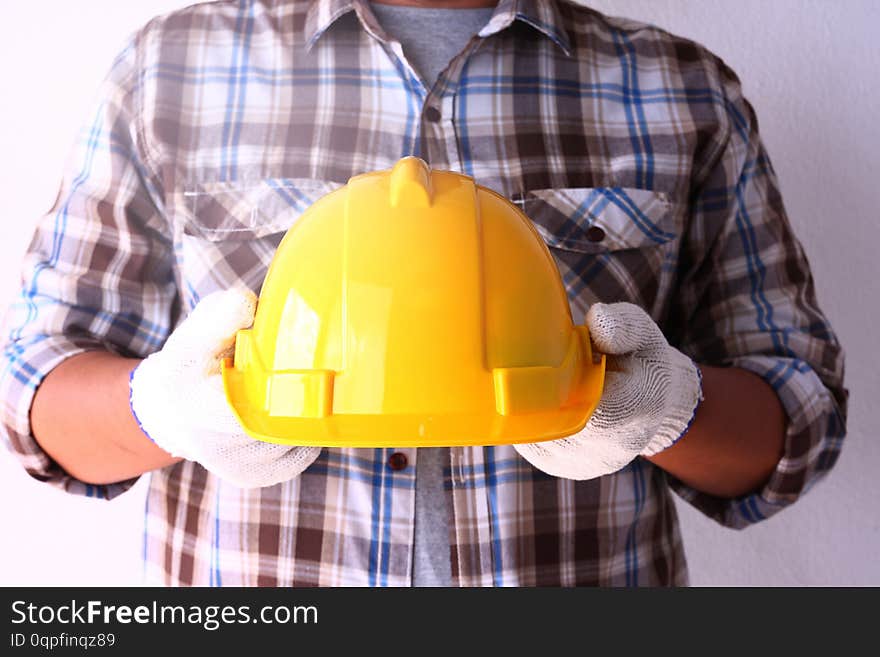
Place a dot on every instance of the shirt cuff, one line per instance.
(815, 429)
(26, 362)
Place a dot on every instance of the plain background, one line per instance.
(810, 68)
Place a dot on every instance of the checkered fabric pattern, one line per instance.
(220, 123)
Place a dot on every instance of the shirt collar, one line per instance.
(321, 15)
(543, 15)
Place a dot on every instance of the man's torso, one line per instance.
(250, 116)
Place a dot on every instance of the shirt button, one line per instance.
(432, 114)
(595, 234)
(397, 461)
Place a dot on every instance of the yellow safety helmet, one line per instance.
(416, 308)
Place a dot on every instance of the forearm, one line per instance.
(736, 439)
(81, 417)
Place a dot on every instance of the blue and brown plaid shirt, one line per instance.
(219, 124)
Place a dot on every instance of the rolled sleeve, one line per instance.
(747, 300)
(97, 274)
(814, 435)
(27, 363)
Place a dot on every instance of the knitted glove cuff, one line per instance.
(682, 409)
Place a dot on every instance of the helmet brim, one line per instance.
(416, 430)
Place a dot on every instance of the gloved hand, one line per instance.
(651, 395)
(177, 398)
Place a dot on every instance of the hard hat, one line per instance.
(415, 308)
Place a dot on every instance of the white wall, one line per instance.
(810, 67)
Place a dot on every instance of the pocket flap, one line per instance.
(233, 210)
(629, 218)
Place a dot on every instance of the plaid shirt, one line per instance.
(219, 124)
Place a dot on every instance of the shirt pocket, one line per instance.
(226, 233)
(610, 243)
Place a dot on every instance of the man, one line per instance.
(633, 152)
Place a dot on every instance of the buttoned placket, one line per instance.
(437, 142)
(439, 134)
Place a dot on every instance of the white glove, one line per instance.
(650, 398)
(177, 398)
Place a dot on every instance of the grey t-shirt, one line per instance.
(430, 38)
